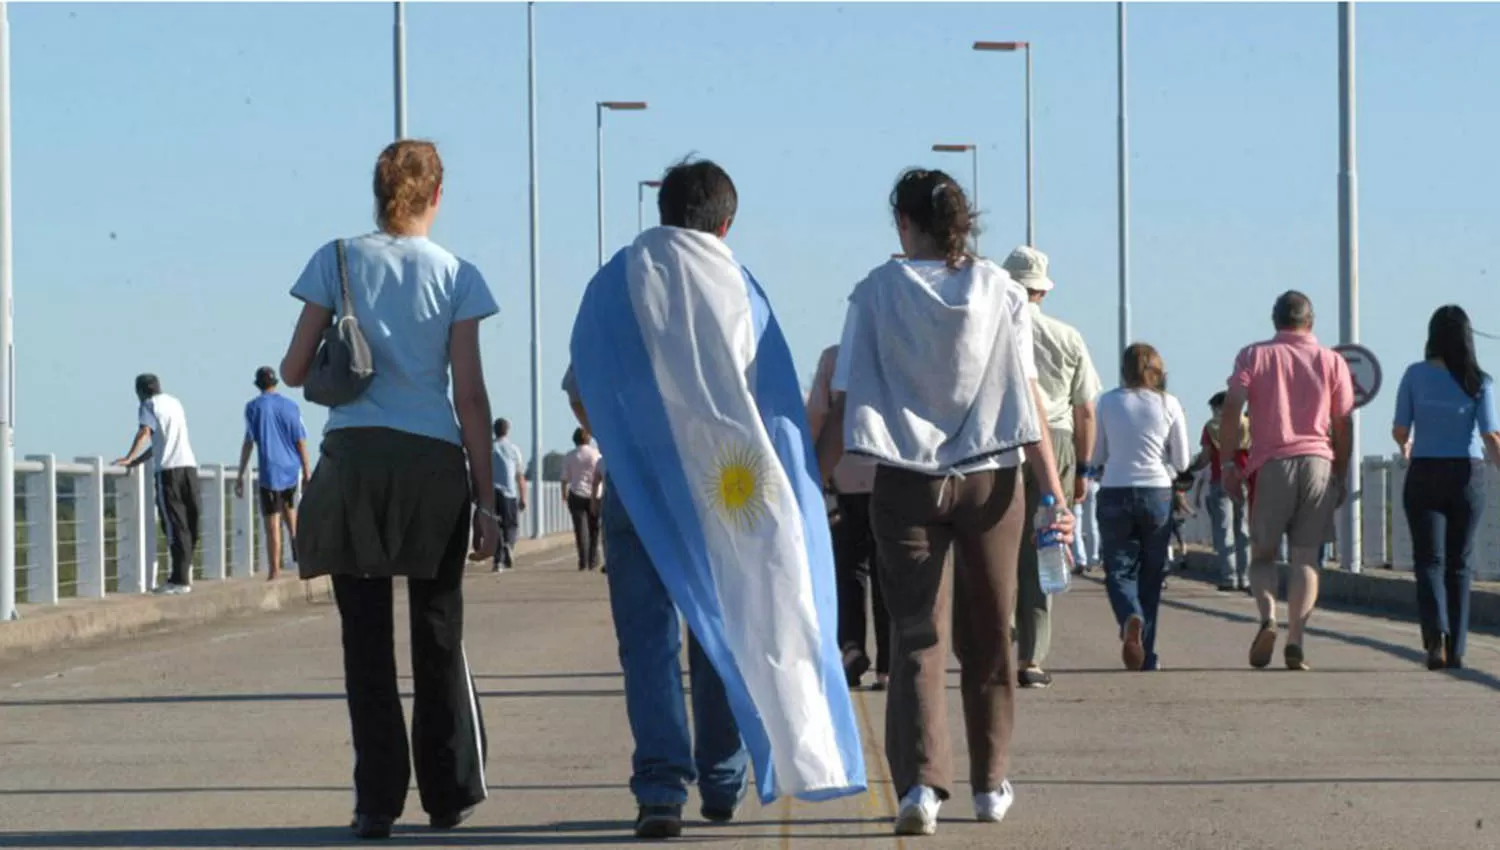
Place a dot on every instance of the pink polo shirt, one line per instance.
(1296, 388)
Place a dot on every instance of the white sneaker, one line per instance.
(991, 806)
(177, 589)
(919, 811)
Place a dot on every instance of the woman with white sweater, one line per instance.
(1142, 446)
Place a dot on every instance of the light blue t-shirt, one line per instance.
(507, 462)
(408, 292)
(1445, 421)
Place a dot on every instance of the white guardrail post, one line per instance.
(41, 540)
(242, 533)
(134, 531)
(215, 547)
(88, 509)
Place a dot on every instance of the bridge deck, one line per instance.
(235, 735)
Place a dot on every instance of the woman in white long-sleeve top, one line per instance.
(1142, 445)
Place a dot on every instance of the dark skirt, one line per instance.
(383, 503)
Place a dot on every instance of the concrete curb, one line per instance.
(1386, 592)
(82, 621)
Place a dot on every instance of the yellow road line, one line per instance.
(876, 770)
(786, 821)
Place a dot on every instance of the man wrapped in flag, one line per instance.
(712, 508)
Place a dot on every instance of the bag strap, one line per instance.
(348, 300)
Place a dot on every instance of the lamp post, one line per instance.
(599, 109)
(640, 202)
(400, 63)
(1122, 168)
(973, 151)
(7, 346)
(1349, 273)
(1011, 47)
(535, 481)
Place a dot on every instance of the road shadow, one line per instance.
(199, 699)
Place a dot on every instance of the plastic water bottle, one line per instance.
(1051, 559)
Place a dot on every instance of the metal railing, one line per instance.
(1385, 537)
(86, 529)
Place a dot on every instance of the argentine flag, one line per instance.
(691, 392)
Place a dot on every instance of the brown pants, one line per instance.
(917, 518)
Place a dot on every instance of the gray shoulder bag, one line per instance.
(342, 368)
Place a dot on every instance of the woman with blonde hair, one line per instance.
(402, 490)
(1142, 446)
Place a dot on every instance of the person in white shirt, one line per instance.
(1142, 446)
(163, 424)
(581, 493)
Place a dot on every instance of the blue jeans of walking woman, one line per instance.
(668, 756)
(1444, 500)
(1135, 527)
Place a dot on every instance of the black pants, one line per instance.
(585, 530)
(1444, 500)
(447, 728)
(509, 511)
(177, 500)
(854, 564)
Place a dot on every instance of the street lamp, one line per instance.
(535, 481)
(640, 202)
(400, 63)
(973, 150)
(599, 108)
(1011, 47)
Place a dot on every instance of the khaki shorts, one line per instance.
(1297, 497)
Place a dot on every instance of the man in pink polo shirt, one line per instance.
(1300, 399)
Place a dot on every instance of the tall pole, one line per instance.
(536, 277)
(1122, 167)
(640, 207)
(1030, 161)
(974, 150)
(599, 173)
(400, 38)
(1349, 271)
(7, 346)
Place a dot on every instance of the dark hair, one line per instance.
(502, 427)
(1293, 311)
(936, 205)
(580, 437)
(697, 195)
(408, 175)
(1218, 399)
(146, 386)
(1450, 338)
(1141, 368)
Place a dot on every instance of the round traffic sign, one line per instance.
(1364, 370)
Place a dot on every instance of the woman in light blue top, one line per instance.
(1445, 424)
(402, 489)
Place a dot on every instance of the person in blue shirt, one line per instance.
(510, 493)
(1445, 424)
(273, 426)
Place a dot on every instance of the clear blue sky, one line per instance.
(176, 164)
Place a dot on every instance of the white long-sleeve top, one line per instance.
(1143, 438)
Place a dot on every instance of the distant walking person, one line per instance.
(403, 488)
(1228, 517)
(273, 426)
(1066, 377)
(510, 493)
(1142, 445)
(581, 493)
(1446, 424)
(1300, 399)
(1085, 516)
(163, 424)
(853, 542)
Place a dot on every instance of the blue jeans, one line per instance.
(666, 759)
(1229, 520)
(1444, 500)
(1135, 527)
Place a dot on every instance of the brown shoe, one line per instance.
(1437, 656)
(1264, 645)
(1133, 652)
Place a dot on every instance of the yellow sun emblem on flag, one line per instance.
(739, 486)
